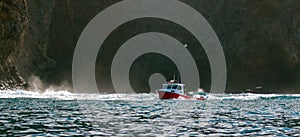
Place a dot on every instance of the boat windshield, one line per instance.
(169, 86)
(201, 93)
(179, 87)
(164, 86)
(174, 86)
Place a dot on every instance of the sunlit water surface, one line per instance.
(24, 113)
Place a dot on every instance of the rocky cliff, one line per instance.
(260, 38)
(13, 22)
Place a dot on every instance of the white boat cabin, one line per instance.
(173, 88)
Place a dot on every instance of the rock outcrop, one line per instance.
(260, 38)
(13, 22)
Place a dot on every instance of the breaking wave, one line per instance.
(66, 95)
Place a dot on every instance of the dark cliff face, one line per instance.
(13, 21)
(260, 39)
(261, 43)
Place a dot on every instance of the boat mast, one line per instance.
(174, 77)
(178, 76)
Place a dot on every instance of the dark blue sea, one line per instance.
(24, 113)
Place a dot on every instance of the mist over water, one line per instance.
(61, 113)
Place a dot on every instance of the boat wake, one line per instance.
(251, 96)
(66, 95)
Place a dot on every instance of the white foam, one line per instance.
(246, 96)
(66, 95)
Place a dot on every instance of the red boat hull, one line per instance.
(201, 98)
(170, 95)
(167, 95)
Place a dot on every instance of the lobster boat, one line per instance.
(175, 90)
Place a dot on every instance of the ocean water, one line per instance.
(25, 113)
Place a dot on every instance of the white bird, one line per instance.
(185, 45)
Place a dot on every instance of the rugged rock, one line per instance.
(13, 21)
(32, 57)
(260, 38)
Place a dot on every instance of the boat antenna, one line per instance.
(174, 77)
(178, 77)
